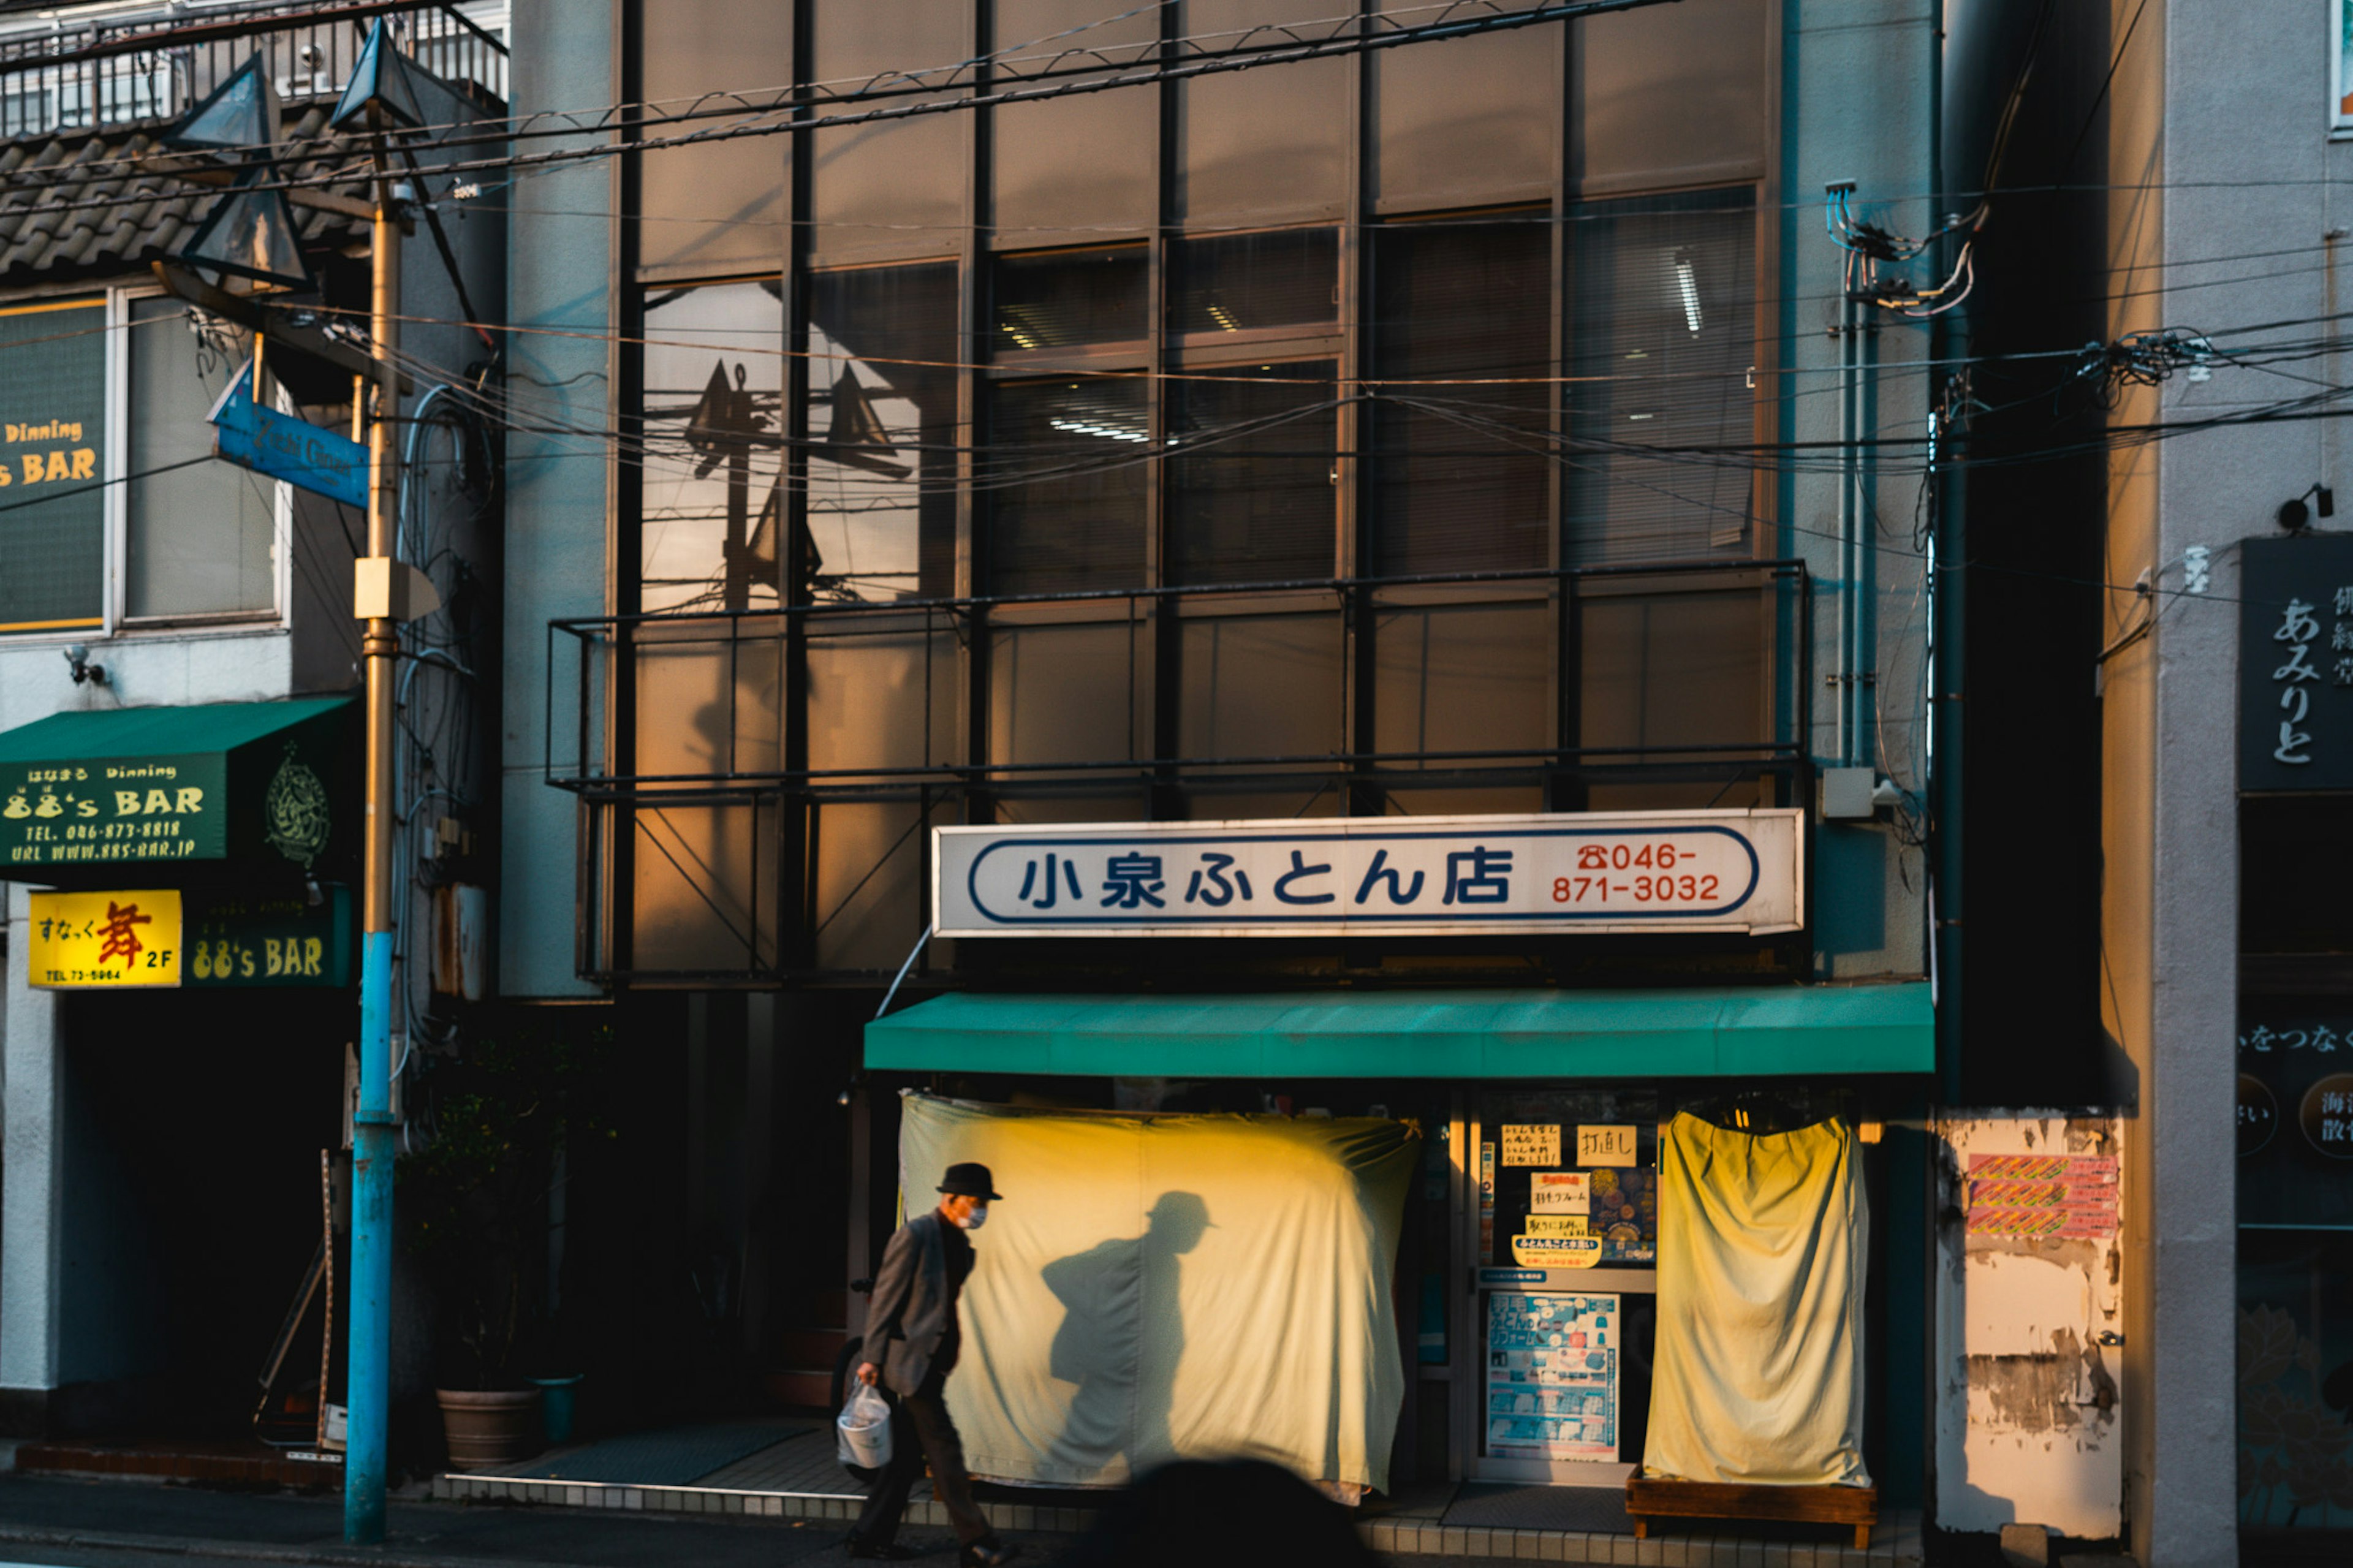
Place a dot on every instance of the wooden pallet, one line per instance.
(1647, 1499)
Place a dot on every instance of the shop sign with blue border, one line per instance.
(1739, 871)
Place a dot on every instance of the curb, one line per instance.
(248, 1550)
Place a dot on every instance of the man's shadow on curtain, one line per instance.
(1122, 1337)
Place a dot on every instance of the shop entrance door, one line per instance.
(1558, 1241)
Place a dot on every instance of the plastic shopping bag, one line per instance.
(862, 1433)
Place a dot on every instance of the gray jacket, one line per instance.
(913, 1304)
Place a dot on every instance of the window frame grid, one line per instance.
(120, 622)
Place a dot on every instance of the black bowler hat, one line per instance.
(968, 1180)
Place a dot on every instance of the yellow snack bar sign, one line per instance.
(104, 941)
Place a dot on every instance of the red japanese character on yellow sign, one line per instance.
(120, 940)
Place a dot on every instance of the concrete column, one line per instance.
(29, 1191)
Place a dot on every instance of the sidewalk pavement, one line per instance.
(57, 1523)
(120, 1524)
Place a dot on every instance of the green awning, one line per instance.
(1700, 1032)
(92, 797)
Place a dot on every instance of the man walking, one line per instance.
(911, 1340)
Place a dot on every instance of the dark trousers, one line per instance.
(921, 1429)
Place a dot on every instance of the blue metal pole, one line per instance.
(368, 1367)
(367, 1383)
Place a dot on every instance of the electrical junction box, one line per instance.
(389, 590)
(1846, 794)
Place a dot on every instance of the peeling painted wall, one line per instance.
(2028, 1423)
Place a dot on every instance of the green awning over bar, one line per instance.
(1699, 1032)
(94, 797)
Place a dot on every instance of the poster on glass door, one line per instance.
(1552, 1376)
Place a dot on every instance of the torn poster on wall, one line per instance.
(2073, 1196)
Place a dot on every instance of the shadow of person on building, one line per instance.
(1123, 1337)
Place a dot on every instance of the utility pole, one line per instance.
(368, 1376)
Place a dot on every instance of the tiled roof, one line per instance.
(47, 235)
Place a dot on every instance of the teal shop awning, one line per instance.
(131, 798)
(1707, 1032)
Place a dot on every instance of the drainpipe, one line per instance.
(1843, 671)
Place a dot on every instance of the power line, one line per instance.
(1363, 35)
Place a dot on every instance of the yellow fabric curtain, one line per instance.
(1762, 1246)
(1161, 1287)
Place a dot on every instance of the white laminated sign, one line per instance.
(1568, 873)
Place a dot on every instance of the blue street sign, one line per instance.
(255, 436)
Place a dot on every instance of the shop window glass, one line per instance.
(1235, 282)
(2295, 1189)
(1463, 307)
(891, 186)
(1463, 677)
(1668, 87)
(708, 488)
(707, 703)
(1659, 667)
(1068, 467)
(1260, 686)
(869, 862)
(1079, 164)
(1068, 694)
(1662, 336)
(1069, 299)
(882, 421)
(717, 204)
(2289, 845)
(705, 888)
(202, 539)
(1620, 1201)
(1464, 120)
(2296, 1327)
(882, 692)
(53, 530)
(1250, 481)
(1269, 141)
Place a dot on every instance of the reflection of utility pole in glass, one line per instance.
(723, 429)
(856, 436)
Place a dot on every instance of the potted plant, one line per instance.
(477, 1198)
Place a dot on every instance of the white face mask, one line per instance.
(975, 1219)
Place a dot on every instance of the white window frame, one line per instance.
(2340, 123)
(120, 623)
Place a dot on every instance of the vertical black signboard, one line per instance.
(2296, 663)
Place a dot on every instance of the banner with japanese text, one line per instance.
(2296, 663)
(1737, 871)
(2295, 1113)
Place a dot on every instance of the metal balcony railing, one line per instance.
(709, 750)
(118, 70)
